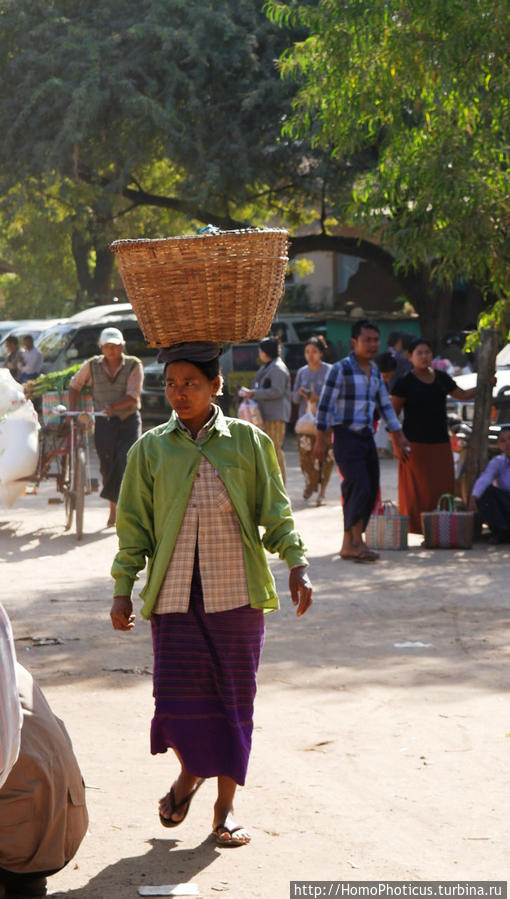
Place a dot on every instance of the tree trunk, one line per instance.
(94, 285)
(101, 282)
(433, 306)
(81, 254)
(478, 449)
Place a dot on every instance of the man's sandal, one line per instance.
(176, 806)
(366, 555)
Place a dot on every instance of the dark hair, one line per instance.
(11, 338)
(318, 341)
(359, 325)
(407, 340)
(28, 337)
(395, 337)
(386, 362)
(417, 342)
(211, 369)
(270, 346)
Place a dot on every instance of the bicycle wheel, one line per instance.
(79, 490)
(66, 490)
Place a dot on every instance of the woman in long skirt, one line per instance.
(428, 470)
(307, 390)
(194, 494)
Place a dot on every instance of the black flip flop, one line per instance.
(232, 840)
(169, 822)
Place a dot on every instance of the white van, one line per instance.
(77, 340)
(32, 326)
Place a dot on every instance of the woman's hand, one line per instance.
(400, 445)
(472, 504)
(300, 589)
(121, 613)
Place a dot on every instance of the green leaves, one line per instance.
(99, 99)
(422, 89)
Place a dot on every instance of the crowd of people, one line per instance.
(402, 391)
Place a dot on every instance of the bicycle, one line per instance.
(66, 446)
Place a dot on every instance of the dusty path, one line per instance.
(369, 762)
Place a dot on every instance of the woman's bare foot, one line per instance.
(113, 515)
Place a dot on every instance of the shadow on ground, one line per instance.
(163, 864)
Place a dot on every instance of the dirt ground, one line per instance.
(370, 761)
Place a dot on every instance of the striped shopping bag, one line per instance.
(388, 529)
(51, 418)
(447, 528)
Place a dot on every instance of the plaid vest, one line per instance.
(106, 389)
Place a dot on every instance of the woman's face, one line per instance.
(421, 356)
(189, 392)
(313, 355)
(264, 358)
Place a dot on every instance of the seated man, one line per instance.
(491, 492)
(43, 817)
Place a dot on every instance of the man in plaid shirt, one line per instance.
(353, 389)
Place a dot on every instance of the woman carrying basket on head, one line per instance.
(194, 494)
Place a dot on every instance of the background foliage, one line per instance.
(421, 89)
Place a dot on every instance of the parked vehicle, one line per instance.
(18, 329)
(5, 327)
(500, 398)
(76, 340)
(113, 310)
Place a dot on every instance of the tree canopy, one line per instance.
(144, 118)
(421, 89)
(111, 110)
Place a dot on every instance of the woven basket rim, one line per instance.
(207, 235)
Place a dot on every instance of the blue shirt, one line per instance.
(497, 473)
(349, 397)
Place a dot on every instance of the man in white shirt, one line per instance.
(32, 360)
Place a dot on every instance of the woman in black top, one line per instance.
(428, 471)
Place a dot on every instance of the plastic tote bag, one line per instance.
(447, 528)
(306, 422)
(249, 411)
(388, 529)
(11, 717)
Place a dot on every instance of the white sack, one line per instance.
(19, 444)
(11, 393)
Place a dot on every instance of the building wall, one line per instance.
(338, 279)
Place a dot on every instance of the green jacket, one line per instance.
(155, 490)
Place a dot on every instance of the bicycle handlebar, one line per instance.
(63, 410)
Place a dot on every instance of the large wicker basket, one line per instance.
(215, 286)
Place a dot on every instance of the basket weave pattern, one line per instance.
(223, 286)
